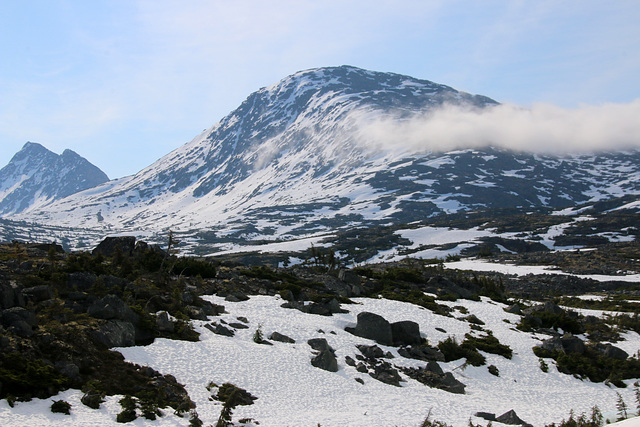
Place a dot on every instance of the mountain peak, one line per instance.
(36, 176)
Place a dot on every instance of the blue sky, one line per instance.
(123, 82)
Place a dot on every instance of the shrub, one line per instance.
(128, 413)
(489, 344)
(493, 370)
(62, 407)
(454, 351)
(543, 365)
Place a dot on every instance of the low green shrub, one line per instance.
(61, 407)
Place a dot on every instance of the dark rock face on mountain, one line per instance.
(36, 176)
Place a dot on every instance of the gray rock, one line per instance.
(163, 322)
(513, 309)
(451, 384)
(10, 295)
(374, 327)
(17, 314)
(612, 351)
(112, 307)
(38, 293)
(220, 330)
(406, 333)
(115, 333)
(110, 245)
(433, 366)
(511, 418)
(486, 416)
(325, 358)
(276, 336)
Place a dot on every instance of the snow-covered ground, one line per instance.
(291, 392)
(523, 270)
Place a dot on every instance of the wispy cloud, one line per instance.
(542, 128)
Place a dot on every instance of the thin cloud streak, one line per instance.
(543, 128)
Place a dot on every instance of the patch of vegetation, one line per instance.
(29, 377)
(583, 420)
(593, 365)
(61, 407)
(545, 319)
(452, 350)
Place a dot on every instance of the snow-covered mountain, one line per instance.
(36, 176)
(293, 159)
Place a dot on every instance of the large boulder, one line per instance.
(406, 332)
(112, 307)
(111, 245)
(38, 294)
(374, 327)
(564, 344)
(115, 333)
(19, 320)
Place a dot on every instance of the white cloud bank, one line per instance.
(543, 128)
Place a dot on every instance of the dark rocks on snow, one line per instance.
(486, 416)
(325, 358)
(406, 333)
(326, 308)
(421, 352)
(276, 336)
(511, 418)
(377, 328)
(433, 376)
(220, 330)
(374, 327)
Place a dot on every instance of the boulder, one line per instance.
(112, 307)
(374, 327)
(565, 344)
(10, 295)
(115, 333)
(220, 330)
(276, 336)
(406, 333)
(511, 418)
(612, 351)
(371, 351)
(163, 322)
(486, 416)
(513, 309)
(38, 294)
(421, 352)
(325, 358)
(110, 245)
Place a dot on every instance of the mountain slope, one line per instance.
(293, 159)
(36, 176)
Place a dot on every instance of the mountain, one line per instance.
(36, 176)
(299, 157)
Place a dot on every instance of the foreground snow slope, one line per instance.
(293, 393)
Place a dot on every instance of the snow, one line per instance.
(523, 270)
(292, 392)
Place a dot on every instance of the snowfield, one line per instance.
(291, 392)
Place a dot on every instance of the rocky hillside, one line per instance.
(396, 332)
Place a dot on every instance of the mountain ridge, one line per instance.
(36, 176)
(291, 160)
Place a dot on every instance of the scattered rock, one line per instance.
(276, 336)
(486, 416)
(111, 245)
(511, 418)
(325, 358)
(220, 330)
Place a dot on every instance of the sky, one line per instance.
(124, 82)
